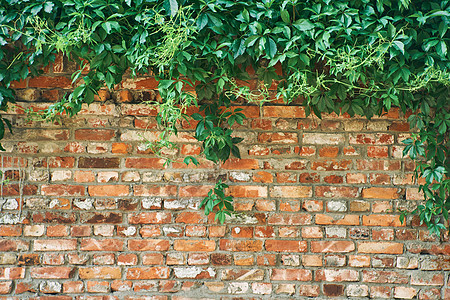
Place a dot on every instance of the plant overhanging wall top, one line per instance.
(360, 57)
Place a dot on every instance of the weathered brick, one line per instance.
(380, 247)
(150, 218)
(332, 246)
(55, 245)
(194, 245)
(108, 190)
(11, 273)
(291, 274)
(336, 192)
(148, 245)
(155, 190)
(337, 275)
(238, 245)
(147, 273)
(100, 273)
(51, 272)
(101, 245)
(289, 219)
(291, 191)
(145, 163)
(62, 190)
(382, 220)
(286, 246)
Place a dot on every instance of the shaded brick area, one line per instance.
(318, 201)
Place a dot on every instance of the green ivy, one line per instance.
(359, 57)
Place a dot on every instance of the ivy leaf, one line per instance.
(441, 49)
(190, 159)
(36, 9)
(399, 46)
(285, 16)
(48, 6)
(271, 48)
(173, 7)
(303, 25)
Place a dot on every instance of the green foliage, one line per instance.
(356, 56)
(216, 197)
(218, 143)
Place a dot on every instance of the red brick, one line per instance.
(55, 245)
(378, 165)
(73, 287)
(377, 151)
(11, 273)
(80, 231)
(263, 177)
(195, 190)
(404, 292)
(148, 245)
(150, 218)
(382, 220)
(101, 245)
(243, 274)
(97, 287)
(380, 292)
(371, 139)
(94, 134)
(120, 148)
(100, 273)
(328, 151)
(153, 259)
(45, 82)
(356, 178)
(246, 191)
(10, 230)
(278, 138)
(286, 246)
(240, 246)
(291, 274)
(51, 272)
(21, 84)
(380, 247)
(147, 273)
(263, 124)
(334, 179)
(359, 261)
(147, 83)
(379, 179)
(291, 191)
(83, 176)
(332, 246)
(108, 190)
(308, 290)
(427, 278)
(289, 219)
(333, 290)
(62, 190)
(380, 193)
(241, 164)
(337, 219)
(336, 192)
(145, 163)
(331, 165)
(336, 275)
(155, 190)
(287, 112)
(189, 149)
(194, 245)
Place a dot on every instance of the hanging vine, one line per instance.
(358, 56)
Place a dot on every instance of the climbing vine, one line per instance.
(356, 56)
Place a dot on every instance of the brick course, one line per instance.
(318, 200)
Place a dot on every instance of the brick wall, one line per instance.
(89, 214)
